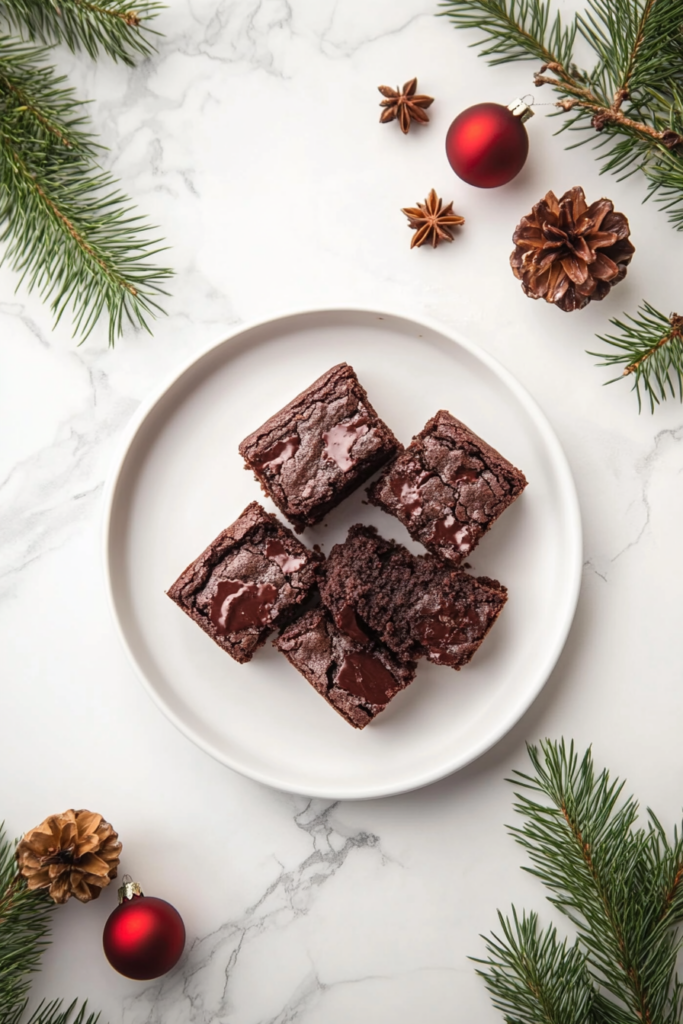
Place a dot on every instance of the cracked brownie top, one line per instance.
(248, 581)
(447, 487)
(357, 679)
(319, 447)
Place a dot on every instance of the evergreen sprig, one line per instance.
(632, 96)
(530, 972)
(24, 931)
(620, 885)
(68, 229)
(650, 348)
(118, 28)
(515, 29)
(25, 917)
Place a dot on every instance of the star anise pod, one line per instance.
(70, 854)
(404, 105)
(430, 222)
(570, 253)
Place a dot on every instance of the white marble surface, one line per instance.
(252, 139)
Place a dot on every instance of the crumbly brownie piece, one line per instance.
(358, 680)
(447, 487)
(249, 581)
(417, 605)
(319, 448)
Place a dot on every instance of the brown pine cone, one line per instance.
(70, 854)
(569, 253)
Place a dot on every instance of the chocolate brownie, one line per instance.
(357, 679)
(319, 448)
(417, 605)
(249, 581)
(447, 487)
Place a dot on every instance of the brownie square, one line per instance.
(357, 679)
(417, 605)
(249, 581)
(447, 487)
(319, 448)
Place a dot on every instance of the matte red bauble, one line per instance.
(144, 937)
(487, 145)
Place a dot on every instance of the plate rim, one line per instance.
(569, 499)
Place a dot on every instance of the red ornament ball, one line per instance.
(143, 937)
(487, 145)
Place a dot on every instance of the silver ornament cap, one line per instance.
(129, 889)
(521, 109)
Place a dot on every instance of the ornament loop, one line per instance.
(129, 889)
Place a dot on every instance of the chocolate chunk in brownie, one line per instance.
(447, 487)
(417, 605)
(357, 679)
(319, 448)
(248, 582)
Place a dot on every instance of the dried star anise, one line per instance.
(70, 854)
(404, 105)
(430, 222)
(569, 253)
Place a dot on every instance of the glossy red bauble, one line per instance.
(487, 145)
(144, 937)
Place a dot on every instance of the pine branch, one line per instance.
(534, 978)
(24, 931)
(116, 27)
(633, 94)
(514, 29)
(70, 233)
(635, 40)
(619, 885)
(650, 348)
(52, 1013)
(34, 105)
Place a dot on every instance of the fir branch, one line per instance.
(70, 233)
(118, 28)
(24, 931)
(34, 104)
(52, 1013)
(635, 40)
(650, 348)
(619, 885)
(514, 29)
(534, 978)
(633, 94)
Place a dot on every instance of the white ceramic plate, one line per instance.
(180, 481)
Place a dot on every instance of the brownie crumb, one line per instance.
(417, 605)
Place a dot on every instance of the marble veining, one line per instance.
(202, 990)
(251, 138)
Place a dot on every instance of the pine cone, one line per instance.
(568, 252)
(70, 854)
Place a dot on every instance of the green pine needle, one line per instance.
(514, 29)
(34, 104)
(24, 934)
(621, 886)
(116, 27)
(650, 348)
(534, 977)
(52, 1013)
(633, 94)
(69, 231)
